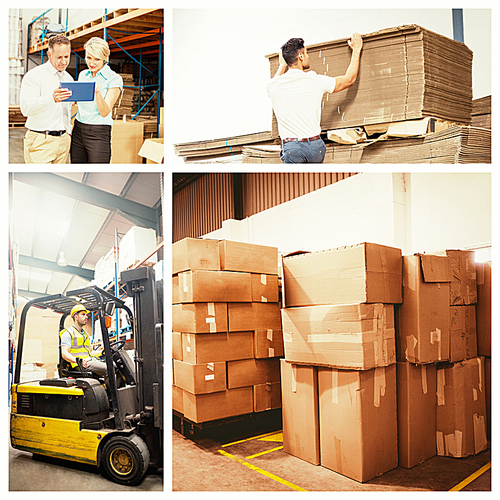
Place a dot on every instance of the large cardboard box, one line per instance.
(417, 406)
(253, 316)
(217, 405)
(177, 399)
(214, 286)
(267, 396)
(353, 336)
(247, 372)
(153, 150)
(201, 378)
(463, 287)
(177, 345)
(487, 376)
(423, 319)
(300, 409)
(358, 421)
(366, 272)
(137, 244)
(210, 347)
(461, 410)
(192, 254)
(265, 288)
(126, 141)
(201, 317)
(248, 257)
(268, 344)
(483, 308)
(463, 337)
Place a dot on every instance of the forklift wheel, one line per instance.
(125, 459)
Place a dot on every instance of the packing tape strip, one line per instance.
(294, 378)
(263, 299)
(335, 386)
(379, 385)
(481, 369)
(263, 279)
(440, 443)
(270, 335)
(453, 443)
(211, 308)
(184, 282)
(271, 352)
(441, 381)
(423, 372)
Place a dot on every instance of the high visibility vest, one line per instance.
(80, 343)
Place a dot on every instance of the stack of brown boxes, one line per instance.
(339, 372)
(441, 393)
(227, 336)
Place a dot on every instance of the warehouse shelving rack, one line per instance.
(135, 33)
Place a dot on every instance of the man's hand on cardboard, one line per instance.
(356, 42)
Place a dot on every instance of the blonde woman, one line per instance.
(91, 138)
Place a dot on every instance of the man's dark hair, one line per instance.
(291, 49)
(58, 40)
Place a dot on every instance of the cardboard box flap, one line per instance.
(436, 269)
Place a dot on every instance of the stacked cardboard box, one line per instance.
(436, 346)
(227, 337)
(339, 372)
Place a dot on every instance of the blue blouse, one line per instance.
(107, 79)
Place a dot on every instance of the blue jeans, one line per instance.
(303, 152)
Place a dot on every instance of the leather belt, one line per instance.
(307, 139)
(56, 133)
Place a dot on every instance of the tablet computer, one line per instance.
(82, 91)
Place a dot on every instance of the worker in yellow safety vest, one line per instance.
(75, 343)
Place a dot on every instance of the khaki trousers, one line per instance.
(41, 148)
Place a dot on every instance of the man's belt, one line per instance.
(307, 139)
(57, 133)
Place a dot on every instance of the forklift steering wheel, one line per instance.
(119, 343)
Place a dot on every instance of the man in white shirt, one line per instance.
(296, 96)
(46, 107)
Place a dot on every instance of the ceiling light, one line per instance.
(62, 261)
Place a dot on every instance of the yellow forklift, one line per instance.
(117, 426)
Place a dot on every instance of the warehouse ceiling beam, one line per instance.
(48, 265)
(136, 212)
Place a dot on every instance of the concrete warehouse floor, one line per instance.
(248, 457)
(38, 473)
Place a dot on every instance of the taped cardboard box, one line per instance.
(192, 254)
(268, 343)
(300, 410)
(253, 316)
(177, 399)
(366, 272)
(423, 319)
(152, 150)
(461, 411)
(126, 141)
(201, 378)
(177, 345)
(214, 286)
(358, 435)
(138, 243)
(267, 396)
(265, 288)
(417, 405)
(210, 347)
(483, 308)
(217, 405)
(352, 336)
(200, 317)
(463, 337)
(250, 372)
(248, 257)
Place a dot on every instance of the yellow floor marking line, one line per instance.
(250, 439)
(471, 478)
(262, 471)
(275, 437)
(265, 452)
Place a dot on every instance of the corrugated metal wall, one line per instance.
(203, 205)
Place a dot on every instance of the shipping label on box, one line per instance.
(366, 272)
(461, 411)
(358, 421)
(192, 254)
(463, 337)
(417, 404)
(267, 396)
(209, 347)
(200, 378)
(299, 388)
(248, 257)
(268, 343)
(200, 317)
(215, 406)
(354, 336)
(423, 319)
(265, 288)
(253, 316)
(249, 372)
(214, 286)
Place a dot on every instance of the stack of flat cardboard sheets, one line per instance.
(405, 73)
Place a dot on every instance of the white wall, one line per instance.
(417, 212)
(219, 69)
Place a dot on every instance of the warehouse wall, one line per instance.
(220, 70)
(414, 212)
